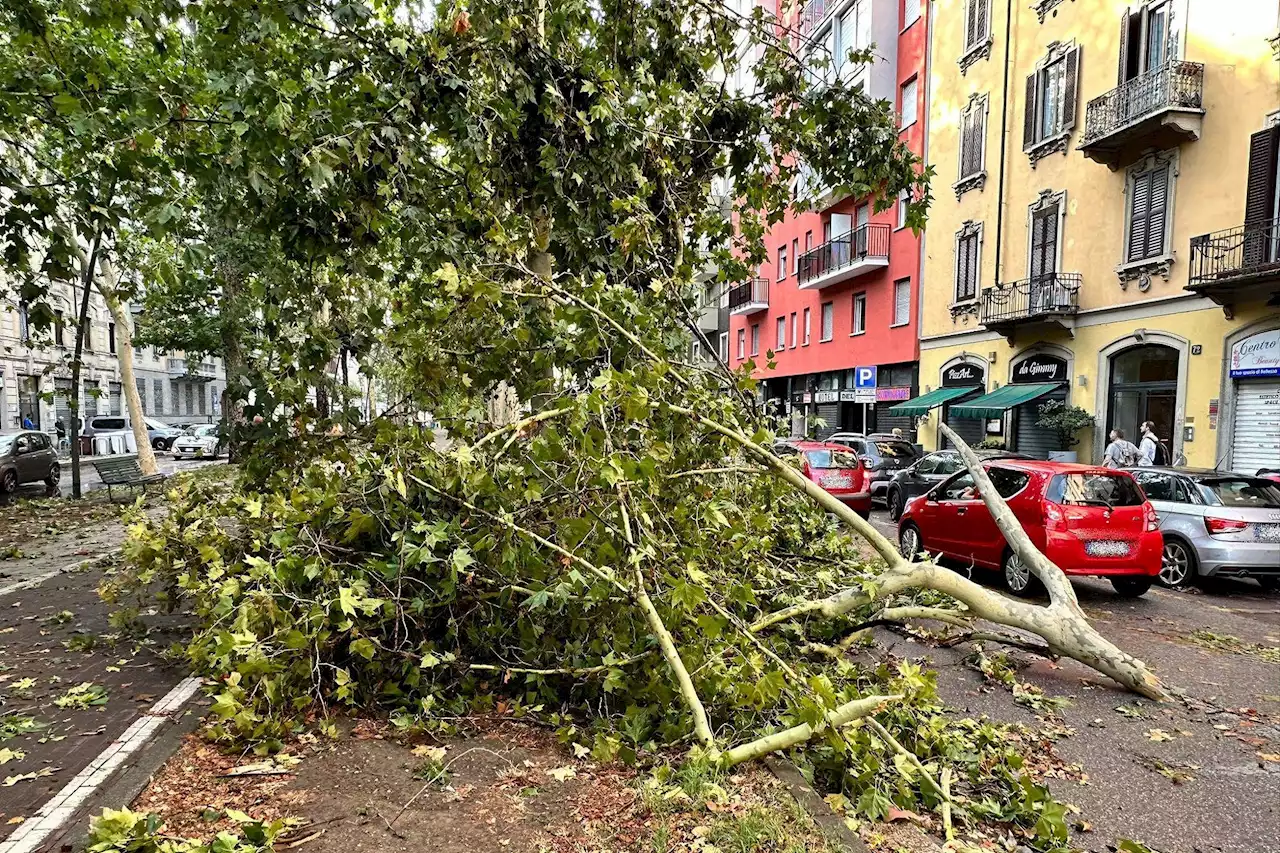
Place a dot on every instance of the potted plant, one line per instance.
(1066, 422)
(991, 442)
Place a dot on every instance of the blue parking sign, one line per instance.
(864, 377)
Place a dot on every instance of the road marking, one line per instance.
(41, 578)
(54, 814)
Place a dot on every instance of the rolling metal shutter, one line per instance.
(829, 412)
(62, 405)
(970, 429)
(1256, 434)
(1030, 439)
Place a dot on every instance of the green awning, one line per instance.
(922, 404)
(996, 403)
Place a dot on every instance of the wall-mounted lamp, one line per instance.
(1082, 381)
(991, 357)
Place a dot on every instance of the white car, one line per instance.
(200, 442)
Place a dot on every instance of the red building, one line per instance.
(842, 287)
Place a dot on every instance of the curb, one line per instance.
(808, 799)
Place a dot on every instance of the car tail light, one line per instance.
(1224, 525)
(1153, 520)
(1053, 517)
(868, 464)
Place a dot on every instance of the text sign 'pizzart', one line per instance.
(964, 374)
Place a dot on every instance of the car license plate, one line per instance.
(1268, 532)
(1106, 548)
(837, 481)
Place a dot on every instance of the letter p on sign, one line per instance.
(864, 377)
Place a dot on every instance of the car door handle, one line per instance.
(961, 510)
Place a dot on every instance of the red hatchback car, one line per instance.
(834, 467)
(1087, 520)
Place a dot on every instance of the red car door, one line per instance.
(949, 504)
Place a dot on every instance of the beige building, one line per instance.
(1104, 226)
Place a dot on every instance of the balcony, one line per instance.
(1159, 109)
(181, 368)
(1241, 262)
(1051, 299)
(749, 297)
(864, 249)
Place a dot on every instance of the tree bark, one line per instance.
(233, 361)
(88, 263)
(124, 353)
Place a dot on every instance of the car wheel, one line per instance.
(9, 482)
(55, 476)
(893, 503)
(909, 542)
(1270, 584)
(1017, 575)
(1131, 587)
(1177, 564)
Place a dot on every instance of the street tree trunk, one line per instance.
(232, 360)
(124, 352)
(89, 264)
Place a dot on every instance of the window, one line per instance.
(908, 103)
(755, 339)
(141, 385)
(859, 313)
(977, 24)
(782, 334)
(795, 256)
(1144, 40)
(904, 198)
(782, 262)
(910, 12)
(973, 144)
(1148, 211)
(808, 241)
(1042, 258)
(968, 261)
(958, 489)
(87, 331)
(1091, 489)
(807, 326)
(191, 399)
(59, 329)
(1238, 491)
(1158, 487)
(1051, 100)
(902, 302)
(742, 344)
(793, 330)
(157, 395)
(852, 32)
(828, 321)
(200, 402)
(724, 347)
(1007, 481)
(111, 337)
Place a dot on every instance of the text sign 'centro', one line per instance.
(1257, 355)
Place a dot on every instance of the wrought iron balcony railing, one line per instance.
(868, 242)
(1052, 294)
(1174, 85)
(1245, 252)
(752, 293)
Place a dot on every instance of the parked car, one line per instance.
(929, 471)
(27, 456)
(881, 456)
(1215, 524)
(160, 434)
(201, 441)
(834, 467)
(1087, 520)
(1272, 474)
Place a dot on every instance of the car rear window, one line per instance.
(1095, 489)
(895, 449)
(1241, 491)
(831, 458)
(6, 444)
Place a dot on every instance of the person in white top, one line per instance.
(1148, 448)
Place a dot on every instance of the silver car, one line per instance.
(27, 457)
(1215, 524)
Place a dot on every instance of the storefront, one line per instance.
(971, 377)
(1037, 369)
(1253, 369)
(1143, 386)
(821, 404)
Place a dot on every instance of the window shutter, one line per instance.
(1124, 47)
(1139, 214)
(910, 12)
(971, 23)
(1260, 192)
(980, 33)
(1070, 89)
(962, 267)
(1030, 124)
(902, 301)
(1156, 212)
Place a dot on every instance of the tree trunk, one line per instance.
(232, 360)
(124, 352)
(89, 264)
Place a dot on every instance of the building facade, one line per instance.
(1104, 226)
(837, 303)
(35, 376)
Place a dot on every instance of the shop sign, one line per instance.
(1040, 368)
(806, 397)
(858, 395)
(848, 396)
(964, 374)
(887, 395)
(826, 396)
(1257, 355)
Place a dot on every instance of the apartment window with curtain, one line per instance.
(782, 262)
(902, 302)
(782, 334)
(742, 344)
(807, 326)
(795, 256)
(1050, 105)
(859, 313)
(908, 103)
(793, 330)
(1148, 211)
(973, 145)
(968, 261)
(1144, 40)
(904, 198)
(755, 339)
(828, 321)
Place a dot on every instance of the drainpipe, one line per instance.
(924, 234)
(1004, 129)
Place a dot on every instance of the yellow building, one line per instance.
(1104, 226)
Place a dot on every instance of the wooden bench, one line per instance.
(123, 471)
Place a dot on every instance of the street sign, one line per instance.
(864, 377)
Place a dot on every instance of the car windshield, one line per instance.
(1095, 489)
(1241, 491)
(156, 424)
(831, 458)
(895, 449)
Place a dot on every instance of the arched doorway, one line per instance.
(1143, 386)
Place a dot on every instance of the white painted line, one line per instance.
(41, 578)
(54, 814)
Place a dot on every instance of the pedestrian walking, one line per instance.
(1149, 449)
(1120, 453)
(27, 423)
